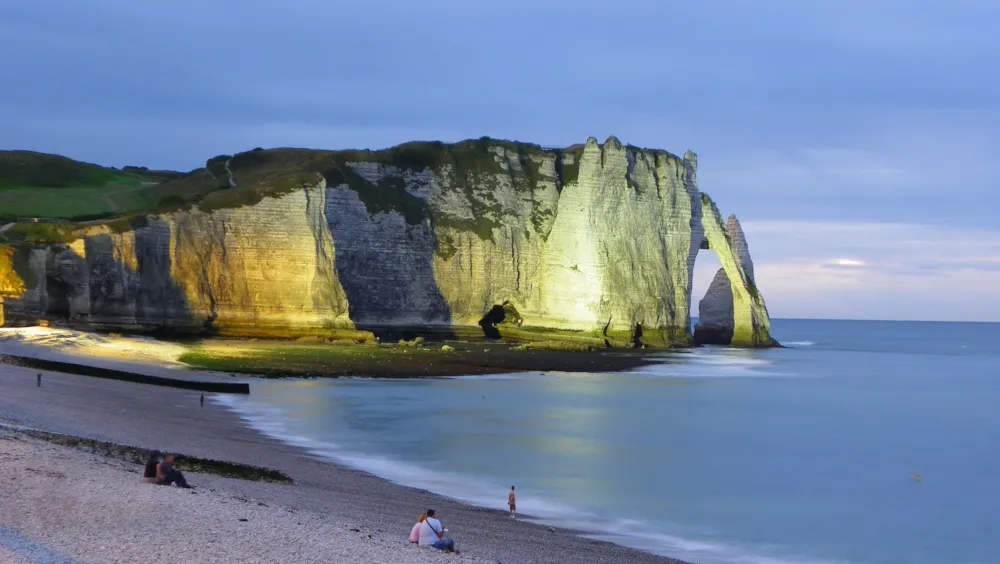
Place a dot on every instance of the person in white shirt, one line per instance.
(432, 534)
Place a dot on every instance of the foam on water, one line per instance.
(271, 421)
(799, 343)
(711, 363)
(511, 376)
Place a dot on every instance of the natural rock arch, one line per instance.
(733, 311)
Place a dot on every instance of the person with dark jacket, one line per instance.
(166, 474)
(149, 476)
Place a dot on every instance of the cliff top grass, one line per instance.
(52, 186)
(41, 232)
(28, 169)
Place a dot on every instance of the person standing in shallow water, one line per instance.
(512, 503)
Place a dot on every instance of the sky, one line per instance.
(857, 141)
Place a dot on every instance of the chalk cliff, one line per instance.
(265, 269)
(596, 241)
(11, 284)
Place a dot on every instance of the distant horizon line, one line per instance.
(693, 317)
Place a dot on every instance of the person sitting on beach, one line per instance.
(149, 476)
(432, 534)
(166, 474)
(415, 531)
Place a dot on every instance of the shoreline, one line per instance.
(173, 421)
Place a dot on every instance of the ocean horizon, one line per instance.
(862, 441)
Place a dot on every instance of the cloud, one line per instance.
(845, 263)
(849, 130)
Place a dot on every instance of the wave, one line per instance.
(710, 362)
(799, 343)
(268, 420)
(507, 376)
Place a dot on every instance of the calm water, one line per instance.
(805, 454)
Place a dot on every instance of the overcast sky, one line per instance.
(858, 141)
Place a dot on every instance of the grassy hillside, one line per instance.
(41, 185)
(50, 186)
(27, 169)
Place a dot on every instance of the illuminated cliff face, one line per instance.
(602, 250)
(596, 241)
(11, 284)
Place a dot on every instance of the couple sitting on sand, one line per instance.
(162, 472)
(429, 532)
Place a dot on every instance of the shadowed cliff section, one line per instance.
(123, 277)
(594, 243)
(385, 264)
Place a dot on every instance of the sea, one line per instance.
(860, 442)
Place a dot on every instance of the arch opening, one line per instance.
(710, 278)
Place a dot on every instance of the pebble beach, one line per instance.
(60, 504)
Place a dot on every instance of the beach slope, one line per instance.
(327, 515)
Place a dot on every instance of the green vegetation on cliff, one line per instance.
(27, 169)
(51, 186)
(40, 233)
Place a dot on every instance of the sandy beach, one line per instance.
(330, 514)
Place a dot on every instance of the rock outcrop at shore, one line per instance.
(597, 241)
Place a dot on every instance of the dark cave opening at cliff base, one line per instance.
(705, 266)
(58, 292)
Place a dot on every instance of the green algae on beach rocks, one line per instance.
(139, 455)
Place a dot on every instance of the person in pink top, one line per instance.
(512, 503)
(415, 531)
